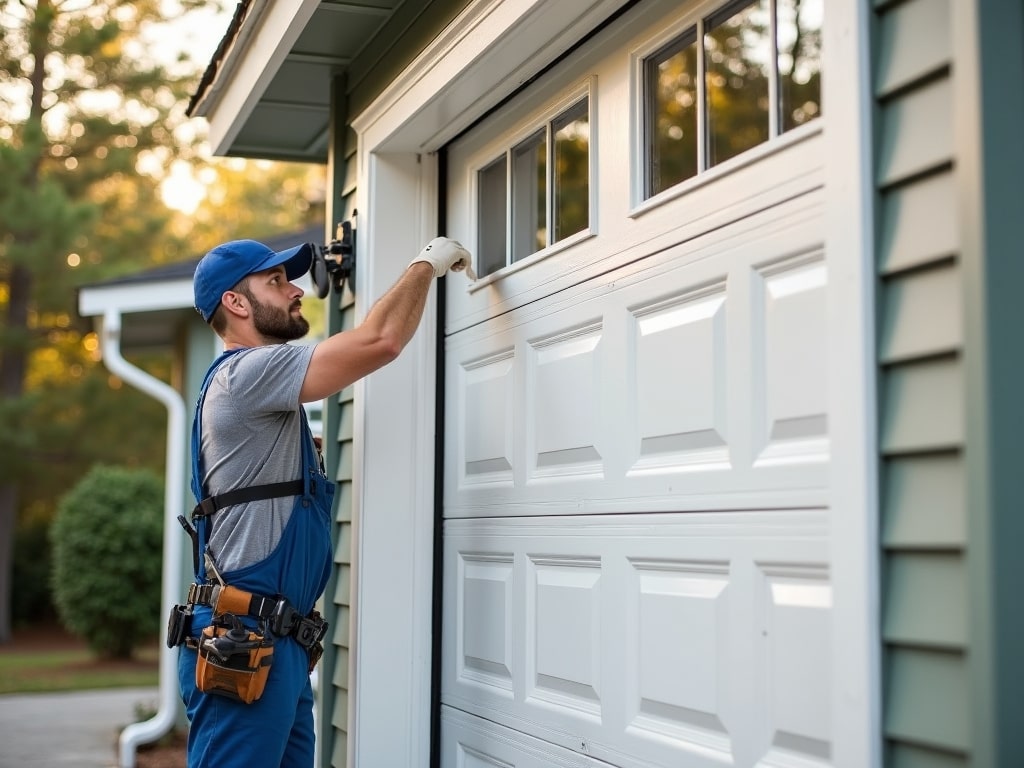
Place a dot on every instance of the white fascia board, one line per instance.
(138, 297)
(490, 49)
(264, 41)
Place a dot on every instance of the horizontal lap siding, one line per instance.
(921, 381)
(411, 27)
(341, 417)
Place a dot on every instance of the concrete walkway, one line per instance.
(49, 730)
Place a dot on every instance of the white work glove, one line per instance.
(443, 254)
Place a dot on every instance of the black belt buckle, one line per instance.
(283, 618)
(179, 624)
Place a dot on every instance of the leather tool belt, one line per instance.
(279, 615)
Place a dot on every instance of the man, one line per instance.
(249, 633)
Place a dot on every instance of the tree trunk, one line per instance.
(8, 513)
(13, 365)
(14, 355)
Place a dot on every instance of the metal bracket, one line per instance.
(335, 262)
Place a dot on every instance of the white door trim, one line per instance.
(853, 485)
(393, 479)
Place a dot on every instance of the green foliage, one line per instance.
(92, 119)
(107, 543)
(31, 603)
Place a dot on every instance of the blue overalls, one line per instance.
(277, 729)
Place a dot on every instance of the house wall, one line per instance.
(398, 42)
(941, 573)
(932, 537)
(333, 694)
(921, 390)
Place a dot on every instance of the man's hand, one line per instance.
(443, 254)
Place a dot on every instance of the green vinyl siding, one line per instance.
(925, 701)
(924, 601)
(924, 502)
(333, 696)
(406, 32)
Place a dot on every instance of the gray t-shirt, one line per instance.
(251, 435)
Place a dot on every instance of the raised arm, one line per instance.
(350, 355)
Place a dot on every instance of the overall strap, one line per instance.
(212, 504)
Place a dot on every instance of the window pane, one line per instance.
(737, 55)
(572, 171)
(529, 196)
(799, 40)
(670, 96)
(492, 204)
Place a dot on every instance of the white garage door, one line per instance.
(636, 569)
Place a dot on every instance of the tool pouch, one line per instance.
(233, 661)
(179, 624)
(315, 652)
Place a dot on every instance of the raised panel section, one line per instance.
(680, 380)
(692, 380)
(791, 392)
(677, 645)
(484, 626)
(798, 662)
(563, 632)
(487, 387)
(564, 398)
(697, 639)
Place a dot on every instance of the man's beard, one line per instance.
(277, 323)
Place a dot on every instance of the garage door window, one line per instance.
(735, 79)
(538, 192)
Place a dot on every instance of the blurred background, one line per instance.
(101, 175)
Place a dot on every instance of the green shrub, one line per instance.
(107, 546)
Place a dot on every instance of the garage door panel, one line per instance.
(471, 742)
(486, 450)
(649, 638)
(679, 353)
(486, 640)
(690, 379)
(790, 351)
(563, 380)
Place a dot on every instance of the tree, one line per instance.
(83, 110)
(106, 566)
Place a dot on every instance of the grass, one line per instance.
(49, 669)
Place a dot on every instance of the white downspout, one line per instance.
(166, 715)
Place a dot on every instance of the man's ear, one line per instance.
(235, 303)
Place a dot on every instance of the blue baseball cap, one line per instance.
(222, 268)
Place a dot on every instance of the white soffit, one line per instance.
(492, 48)
(264, 41)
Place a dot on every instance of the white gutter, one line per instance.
(110, 347)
